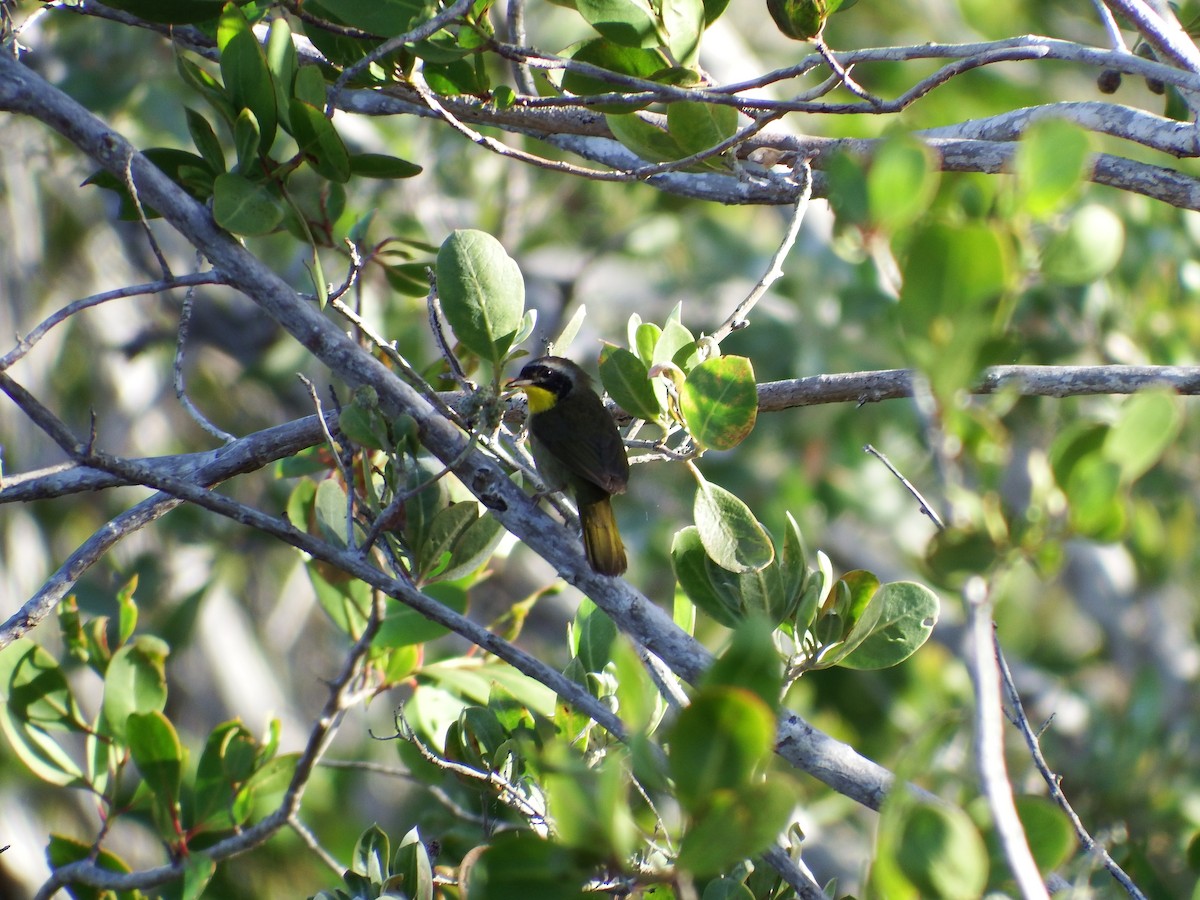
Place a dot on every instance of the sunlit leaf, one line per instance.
(730, 533)
(719, 402)
(482, 292)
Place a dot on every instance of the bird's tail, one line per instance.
(601, 539)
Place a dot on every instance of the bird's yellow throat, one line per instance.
(540, 399)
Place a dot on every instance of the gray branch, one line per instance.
(24, 92)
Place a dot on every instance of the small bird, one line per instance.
(576, 445)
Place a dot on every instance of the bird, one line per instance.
(576, 446)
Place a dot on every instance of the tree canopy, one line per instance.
(894, 304)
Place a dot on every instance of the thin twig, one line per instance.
(25, 343)
(514, 20)
(437, 326)
(1053, 783)
(989, 742)
(909, 486)
(842, 73)
(1111, 28)
(127, 174)
(737, 319)
(425, 29)
(185, 319)
(310, 840)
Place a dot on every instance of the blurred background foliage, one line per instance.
(1096, 604)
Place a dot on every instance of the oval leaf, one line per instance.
(135, 682)
(630, 23)
(719, 402)
(1050, 164)
(243, 207)
(718, 743)
(627, 381)
(730, 533)
(158, 754)
(379, 165)
(319, 142)
(690, 562)
(902, 615)
(482, 292)
(941, 853)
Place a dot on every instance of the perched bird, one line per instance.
(576, 446)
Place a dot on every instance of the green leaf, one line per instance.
(309, 87)
(217, 772)
(690, 563)
(1087, 249)
(1148, 424)
(34, 689)
(676, 344)
(345, 600)
(385, 18)
(719, 742)
(243, 207)
(949, 269)
(379, 165)
(26, 716)
(473, 548)
(248, 81)
(562, 343)
(730, 533)
(267, 783)
(801, 20)
(331, 511)
(403, 626)
(206, 140)
(638, 700)
(246, 139)
(1050, 164)
(609, 55)
(684, 23)
(445, 529)
(372, 853)
(719, 402)
(751, 661)
(135, 682)
(643, 338)
(1051, 837)
(792, 567)
(412, 872)
(198, 870)
(594, 634)
(754, 592)
(699, 126)
(902, 617)
(171, 161)
(319, 142)
(590, 807)
(519, 864)
(627, 381)
(901, 183)
(629, 23)
(158, 755)
(482, 293)
(941, 852)
(733, 826)
(282, 62)
(1095, 499)
(648, 141)
(62, 851)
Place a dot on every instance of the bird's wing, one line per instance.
(599, 460)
